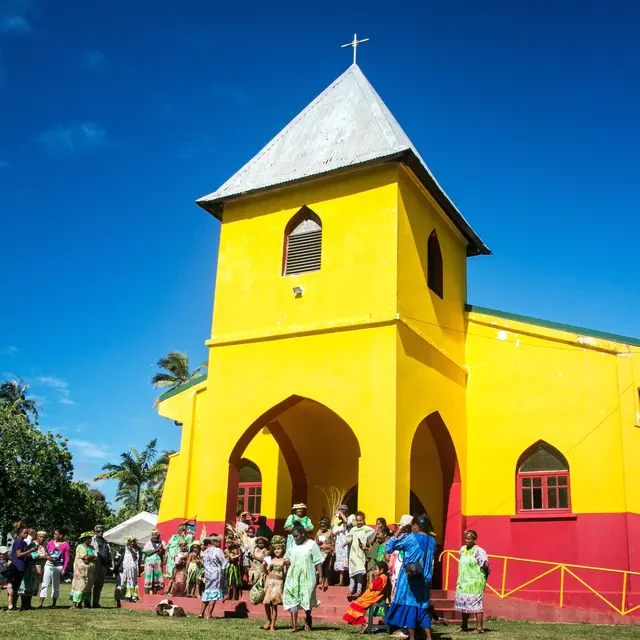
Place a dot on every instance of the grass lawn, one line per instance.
(111, 623)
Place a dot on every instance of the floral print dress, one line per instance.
(214, 563)
(300, 583)
(153, 576)
(472, 580)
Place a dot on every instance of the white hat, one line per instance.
(4, 549)
(405, 520)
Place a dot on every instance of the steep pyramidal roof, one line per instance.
(345, 126)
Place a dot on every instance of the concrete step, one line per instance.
(333, 604)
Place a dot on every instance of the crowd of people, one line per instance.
(390, 564)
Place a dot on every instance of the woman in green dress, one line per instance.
(299, 592)
(173, 547)
(297, 517)
(84, 572)
(473, 571)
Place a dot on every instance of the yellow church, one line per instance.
(343, 353)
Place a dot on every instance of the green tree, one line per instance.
(13, 394)
(86, 507)
(140, 477)
(176, 371)
(36, 480)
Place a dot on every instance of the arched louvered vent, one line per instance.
(303, 243)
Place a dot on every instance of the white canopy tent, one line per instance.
(141, 525)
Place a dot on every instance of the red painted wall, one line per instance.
(597, 540)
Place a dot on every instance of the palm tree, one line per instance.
(14, 394)
(137, 472)
(176, 366)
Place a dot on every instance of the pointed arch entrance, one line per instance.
(313, 450)
(435, 480)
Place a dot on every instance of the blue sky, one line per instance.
(116, 116)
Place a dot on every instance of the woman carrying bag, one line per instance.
(410, 605)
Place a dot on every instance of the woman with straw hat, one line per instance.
(297, 518)
(83, 572)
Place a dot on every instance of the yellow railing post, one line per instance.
(624, 592)
(446, 573)
(561, 585)
(504, 578)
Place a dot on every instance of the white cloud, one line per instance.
(55, 383)
(230, 94)
(10, 350)
(14, 17)
(76, 138)
(15, 24)
(95, 60)
(91, 450)
(61, 387)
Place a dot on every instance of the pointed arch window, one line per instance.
(435, 275)
(302, 243)
(543, 481)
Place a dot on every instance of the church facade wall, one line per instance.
(527, 384)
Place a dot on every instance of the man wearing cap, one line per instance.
(103, 562)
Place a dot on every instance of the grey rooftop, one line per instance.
(347, 125)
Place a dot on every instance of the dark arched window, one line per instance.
(435, 276)
(249, 487)
(302, 243)
(543, 480)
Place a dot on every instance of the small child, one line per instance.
(233, 555)
(194, 569)
(257, 558)
(359, 539)
(324, 540)
(247, 549)
(5, 570)
(276, 570)
(377, 591)
(178, 582)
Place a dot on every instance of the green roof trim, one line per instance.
(547, 324)
(183, 387)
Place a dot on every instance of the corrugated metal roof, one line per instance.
(345, 126)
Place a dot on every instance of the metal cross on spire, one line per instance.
(354, 44)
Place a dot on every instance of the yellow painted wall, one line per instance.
(343, 355)
(357, 282)
(441, 320)
(183, 407)
(528, 383)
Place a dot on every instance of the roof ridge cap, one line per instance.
(378, 113)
